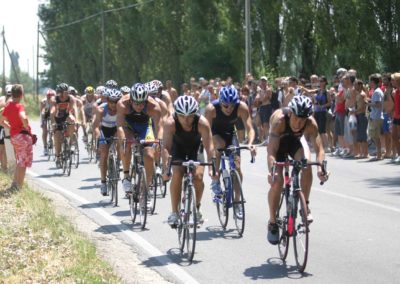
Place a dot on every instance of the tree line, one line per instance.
(177, 39)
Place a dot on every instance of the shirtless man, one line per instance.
(361, 144)
(265, 107)
(288, 125)
(171, 91)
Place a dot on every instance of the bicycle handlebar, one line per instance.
(189, 163)
(300, 165)
(232, 148)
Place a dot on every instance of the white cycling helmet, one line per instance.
(138, 93)
(301, 106)
(186, 105)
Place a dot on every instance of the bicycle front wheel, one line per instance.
(190, 222)
(112, 180)
(152, 195)
(75, 154)
(142, 205)
(238, 202)
(301, 232)
(281, 220)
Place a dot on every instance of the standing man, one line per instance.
(264, 97)
(376, 115)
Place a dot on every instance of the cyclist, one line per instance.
(89, 103)
(62, 106)
(222, 115)
(45, 115)
(136, 113)
(80, 114)
(182, 135)
(105, 127)
(155, 88)
(125, 90)
(290, 128)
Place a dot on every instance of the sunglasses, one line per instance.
(227, 105)
(139, 103)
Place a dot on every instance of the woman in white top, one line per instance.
(105, 127)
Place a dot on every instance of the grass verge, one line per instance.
(39, 247)
(32, 105)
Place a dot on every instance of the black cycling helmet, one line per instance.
(62, 87)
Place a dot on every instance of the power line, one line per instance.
(94, 15)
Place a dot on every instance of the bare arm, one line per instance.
(206, 136)
(169, 131)
(210, 113)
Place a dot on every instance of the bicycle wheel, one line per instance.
(75, 154)
(142, 205)
(89, 145)
(222, 208)
(64, 156)
(152, 195)
(281, 220)
(112, 184)
(300, 236)
(69, 160)
(164, 188)
(190, 223)
(239, 215)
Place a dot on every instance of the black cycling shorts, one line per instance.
(289, 145)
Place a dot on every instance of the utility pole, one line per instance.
(103, 49)
(248, 36)
(37, 62)
(4, 65)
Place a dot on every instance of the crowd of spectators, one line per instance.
(356, 119)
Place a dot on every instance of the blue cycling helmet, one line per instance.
(228, 95)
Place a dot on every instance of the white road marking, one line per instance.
(178, 272)
(357, 199)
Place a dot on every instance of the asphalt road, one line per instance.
(354, 237)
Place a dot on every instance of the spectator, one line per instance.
(3, 155)
(340, 112)
(396, 117)
(205, 97)
(388, 104)
(21, 135)
(376, 115)
(362, 120)
(321, 103)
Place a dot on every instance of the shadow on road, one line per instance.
(122, 213)
(214, 232)
(88, 187)
(91, 179)
(173, 256)
(384, 182)
(274, 268)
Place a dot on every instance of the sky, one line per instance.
(20, 33)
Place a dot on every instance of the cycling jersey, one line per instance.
(289, 140)
(62, 108)
(140, 123)
(186, 143)
(224, 125)
(108, 120)
(88, 108)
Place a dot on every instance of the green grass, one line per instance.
(32, 105)
(38, 246)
